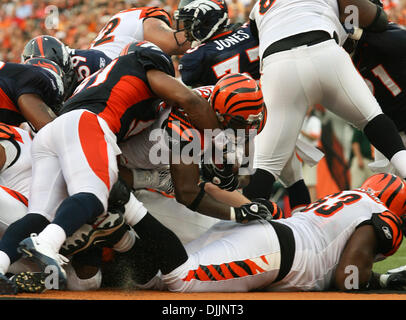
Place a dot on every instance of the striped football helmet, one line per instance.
(390, 189)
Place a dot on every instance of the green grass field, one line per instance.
(397, 260)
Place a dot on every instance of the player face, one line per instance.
(184, 27)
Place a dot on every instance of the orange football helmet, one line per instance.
(390, 189)
(238, 102)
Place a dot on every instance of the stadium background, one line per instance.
(77, 22)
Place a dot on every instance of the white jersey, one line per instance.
(284, 18)
(123, 28)
(18, 175)
(242, 257)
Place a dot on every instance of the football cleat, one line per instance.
(99, 231)
(30, 282)
(45, 256)
(7, 286)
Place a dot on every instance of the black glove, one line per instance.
(224, 178)
(251, 211)
(273, 208)
(119, 196)
(393, 281)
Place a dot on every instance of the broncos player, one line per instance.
(379, 59)
(81, 146)
(221, 47)
(87, 62)
(32, 92)
(76, 64)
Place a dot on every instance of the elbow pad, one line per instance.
(380, 22)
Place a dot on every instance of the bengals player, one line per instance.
(238, 103)
(317, 249)
(151, 24)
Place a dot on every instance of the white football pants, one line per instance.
(295, 79)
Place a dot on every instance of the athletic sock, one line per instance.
(18, 231)
(299, 196)
(77, 210)
(384, 136)
(260, 186)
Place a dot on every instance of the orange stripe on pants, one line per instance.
(94, 146)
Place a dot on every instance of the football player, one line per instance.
(379, 59)
(76, 64)
(151, 24)
(81, 147)
(220, 48)
(32, 92)
(51, 48)
(323, 73)
(330, 245)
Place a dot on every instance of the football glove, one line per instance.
(393, 281)
(250, 211)
(224, 177)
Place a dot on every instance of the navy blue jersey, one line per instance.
(381, 60)
(233, 51)
(87, 62)
(120, 92)
(18, 79)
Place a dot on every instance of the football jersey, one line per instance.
(381, 61)
(120, 93)
(322, 229)
(87, 62)
(233, 51)
(126, 27)
(17, 176)
(18, 79)
(180, 132)
(276, 20)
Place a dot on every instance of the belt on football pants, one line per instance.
(301, 39)
(287, 246)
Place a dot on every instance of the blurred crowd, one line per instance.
(77, 22)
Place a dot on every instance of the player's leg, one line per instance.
(87, 159)
(236, 258)
(287, 104)
(351, 99)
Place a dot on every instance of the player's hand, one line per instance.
(250, 211)
(223, 177)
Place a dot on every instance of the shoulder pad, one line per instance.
(159, 13)
(151, 56)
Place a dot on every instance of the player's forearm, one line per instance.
(233, 198)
